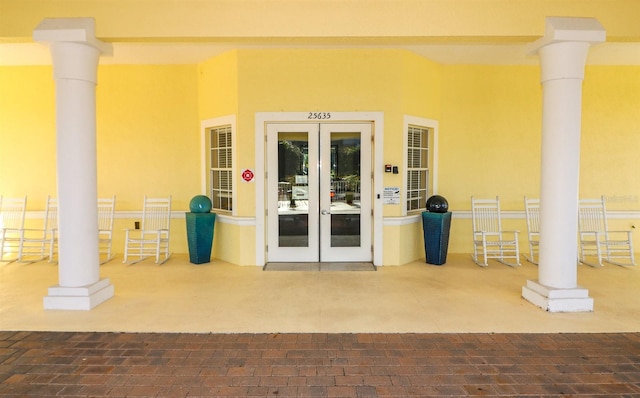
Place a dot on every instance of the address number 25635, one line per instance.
(319, 115)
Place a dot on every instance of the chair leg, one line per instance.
(162, 249)
(52, 243)
(532, 255)
(109, 255)
(583, 260)
(158, 238)
(126, 246)
(599, 250)
(2, 260)
(484, 253)
(505, 262)
(165, 259)
(108, 251)
(618, 254)
(476, 254)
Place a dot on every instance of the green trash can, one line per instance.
(200, 224)
(436, 227)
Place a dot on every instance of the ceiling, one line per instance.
(490, 32)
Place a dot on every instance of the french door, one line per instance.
(319, 192)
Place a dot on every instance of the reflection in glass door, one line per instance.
(319, 192)
(292, 215)
(345, 192)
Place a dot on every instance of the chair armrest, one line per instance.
(627, 233)
(5, 232)
(7, 229)
(594, 233)
(485, 233)
(32, 231)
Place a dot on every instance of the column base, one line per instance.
(556, 299)
(78, 298)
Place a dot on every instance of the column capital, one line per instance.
(570, 29)
(70, 30)
(564, 47)
(74, 48)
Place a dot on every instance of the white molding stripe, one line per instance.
(387, 221)
(611, 214)
(466, 214)
(239, 221)
(222, 218)
(399, 221)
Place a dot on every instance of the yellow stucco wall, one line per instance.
(27, 133)
(218, 96)
(490, 140)
(218, 86)
(313, 80)
(147, 138)
(148, 133)
(490, 133)
(611, 135)
(490, 116)
(393, 81)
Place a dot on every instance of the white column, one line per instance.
(75, 52)
(563, 53)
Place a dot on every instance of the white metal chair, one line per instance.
(488, 237)
(106, 211)
(12, 212)
(34, 242)
(532, 211)
(596, 240)
(153, 237)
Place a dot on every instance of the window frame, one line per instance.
(431, 167)
(208, 169)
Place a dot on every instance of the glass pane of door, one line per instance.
(345, 189)
(293, 191)
(319, 192)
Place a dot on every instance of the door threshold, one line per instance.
(320, 267)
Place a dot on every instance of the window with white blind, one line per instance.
(417, 168)
(221, 171)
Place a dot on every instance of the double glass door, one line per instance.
(319, 192)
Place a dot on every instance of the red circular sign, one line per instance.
(248, 175)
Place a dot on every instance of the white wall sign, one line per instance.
(391, 196)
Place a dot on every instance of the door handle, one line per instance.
(324, 212)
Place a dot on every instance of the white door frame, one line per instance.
(310, 252)
(262, 118)
(362, 252)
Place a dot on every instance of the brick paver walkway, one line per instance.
(318, 365)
